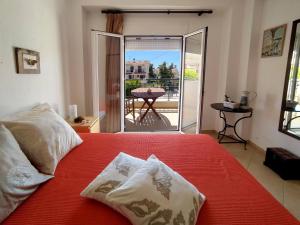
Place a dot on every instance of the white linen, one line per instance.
(18, 178)
(43, 136)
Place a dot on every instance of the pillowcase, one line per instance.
(18, 178)
(43, 136)
(156, 194)
(115, 174)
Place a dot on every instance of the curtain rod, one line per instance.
(199, 12)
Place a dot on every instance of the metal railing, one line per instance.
(135, 72)
(171, 86)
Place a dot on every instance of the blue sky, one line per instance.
(156, 57)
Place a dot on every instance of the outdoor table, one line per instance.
(146, 94)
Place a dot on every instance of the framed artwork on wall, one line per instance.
(27, 61)
(273, 41)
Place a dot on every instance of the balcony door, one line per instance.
(192, 81)
(152, 83)
(108, 80)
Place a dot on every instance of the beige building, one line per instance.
(138, 70)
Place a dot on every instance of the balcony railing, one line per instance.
(135, 72)
(171, 86)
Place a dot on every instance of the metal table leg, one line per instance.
(237, 138)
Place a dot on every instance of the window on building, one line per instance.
(139, 69)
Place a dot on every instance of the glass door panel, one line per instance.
(108, 80)
(152, 67)
(192, 81)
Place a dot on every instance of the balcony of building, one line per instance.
(167, 106)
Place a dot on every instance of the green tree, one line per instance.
(151, 71)
(171, 67)
(190, 74)
(292, 71)
(165, 74)
(130, 85)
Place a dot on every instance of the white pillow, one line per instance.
(43, 136)
(115, 174)
(156, 194)
(18, 178)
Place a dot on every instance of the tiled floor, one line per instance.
(168, 121)
(286, 192)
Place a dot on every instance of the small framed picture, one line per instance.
(273, 41)
(28, 61)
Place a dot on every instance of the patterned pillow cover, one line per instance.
(115, 174)
(157, 195)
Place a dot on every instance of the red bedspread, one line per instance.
(233, 195)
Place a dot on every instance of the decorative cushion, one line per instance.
(157, 195)
(43, 136)
(115, 174)
(18, 178)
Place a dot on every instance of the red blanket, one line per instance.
(233, 195)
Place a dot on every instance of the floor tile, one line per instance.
(292, 197)
(270, 180)
(168, 121)
(243, 156)
(286, 192)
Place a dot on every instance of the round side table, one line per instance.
(221, 134)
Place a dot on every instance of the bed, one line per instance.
(233, 195)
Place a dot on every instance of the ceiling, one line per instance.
(217, 5)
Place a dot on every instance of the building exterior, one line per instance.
(138, 70)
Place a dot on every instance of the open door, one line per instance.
(193, 73)
(108, 80)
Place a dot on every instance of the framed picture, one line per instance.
(27, 61)
(273, 41)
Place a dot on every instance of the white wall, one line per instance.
(269, 79)
(35, 25)
(223, 55)
(233, 55)
(75, 22)
(168, 25)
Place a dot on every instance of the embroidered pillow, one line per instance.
(115, 174)
(43, 136)
(156, 194)
(18, 178)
